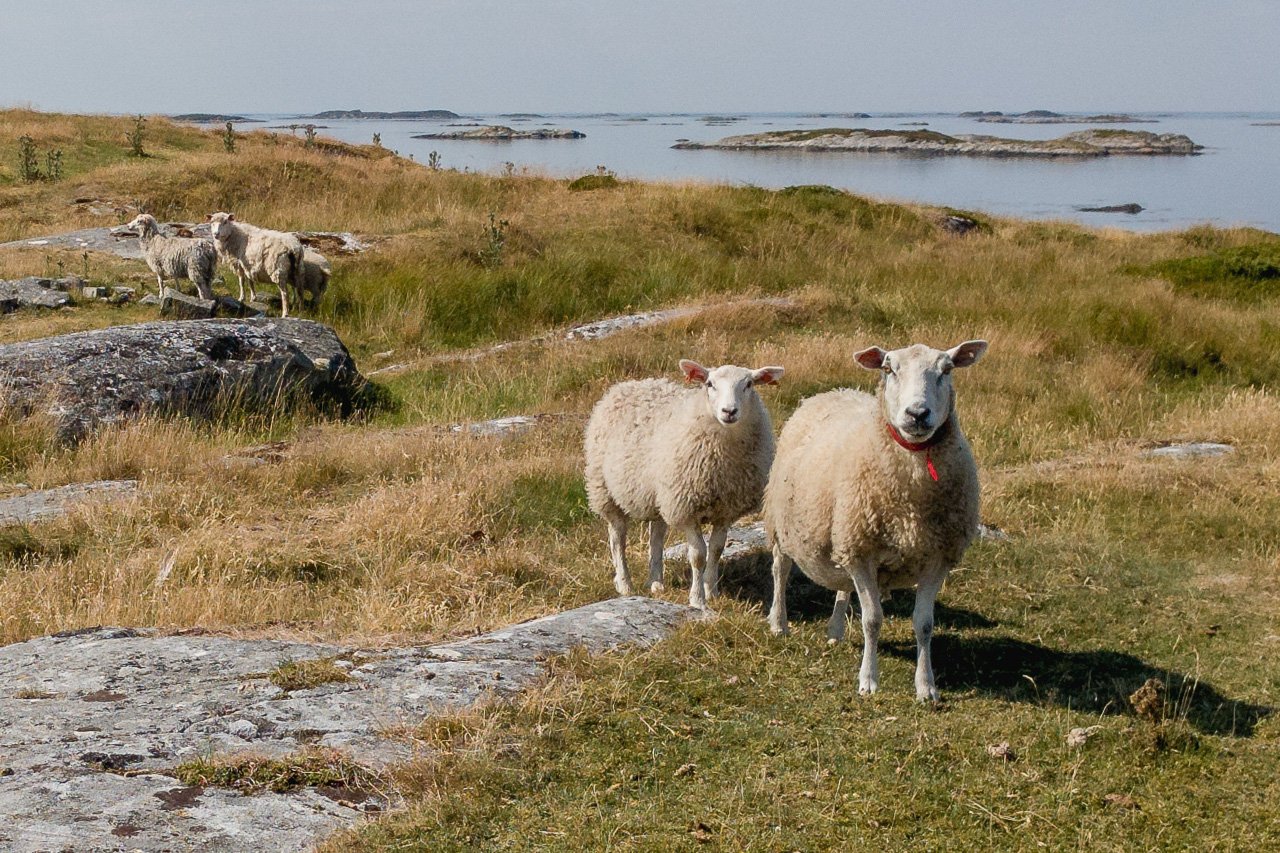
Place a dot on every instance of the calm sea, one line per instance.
(1235, 181)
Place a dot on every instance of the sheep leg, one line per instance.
(872, 619)
(839, 617)
(618, 550)
(778, 612)
(657, 538)
(284, 301)
(160, 285)
(926, 593)
(697, 563)
(715, 547)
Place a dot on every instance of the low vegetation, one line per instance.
(386, 527)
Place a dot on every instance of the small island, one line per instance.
(1048, 117)
(502, 133)
(403, 115)
(1083, 143)
(211, 118)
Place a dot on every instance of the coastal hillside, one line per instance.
(1104, 654)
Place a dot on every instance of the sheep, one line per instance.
(874, 493)
(191, 258)
(680, 458)
(315, 275)
(259, 255)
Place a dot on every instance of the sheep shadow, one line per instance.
(1099, 681)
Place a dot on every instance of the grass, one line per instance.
(311, 768)
(293, 675)
(385, 527)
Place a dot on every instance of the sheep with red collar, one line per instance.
(680, 457)
(870, 494)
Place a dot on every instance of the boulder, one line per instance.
(179, 306)
(86, 379)
(33, 293)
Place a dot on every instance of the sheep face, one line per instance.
(916, 391)
(219, 223)
(729, 387)
(145, 224)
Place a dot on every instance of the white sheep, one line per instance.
(259, 255)
(192, 258)
(315, 275)
(871, 494)
(681, 458)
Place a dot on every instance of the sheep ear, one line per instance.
(693, 372)
(967, 353)
(208, 217)
(231, 217)
(766, 376)
(871, 358)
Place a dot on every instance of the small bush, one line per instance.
(137, 137)
(594, 182)
(1240, 273)
(304, 674)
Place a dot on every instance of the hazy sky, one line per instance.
(640, 55)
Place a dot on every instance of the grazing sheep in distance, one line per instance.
(870, 494)
(191, 258)
(681, 458)
(259, 255)
(315, 275)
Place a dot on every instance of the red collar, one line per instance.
(938, 435)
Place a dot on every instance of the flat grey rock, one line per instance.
(52, 503)
(87, 379)
(33, 293)
(513, 425)
(1190, 450)
(131, 700)
(587, 331)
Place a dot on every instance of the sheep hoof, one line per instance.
(657, 587)
(784, 631)
(832, 641)
(623, 588)
(868, 689)
(929, 695)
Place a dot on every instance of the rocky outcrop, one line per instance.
(36, 293)
(401, 115)
(75, 705)
(1047, 117)
(213, 118)
(1131, 208)
(87, 379)
(1084, 143)
(502, 133)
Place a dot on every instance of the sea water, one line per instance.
(1234, 181)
